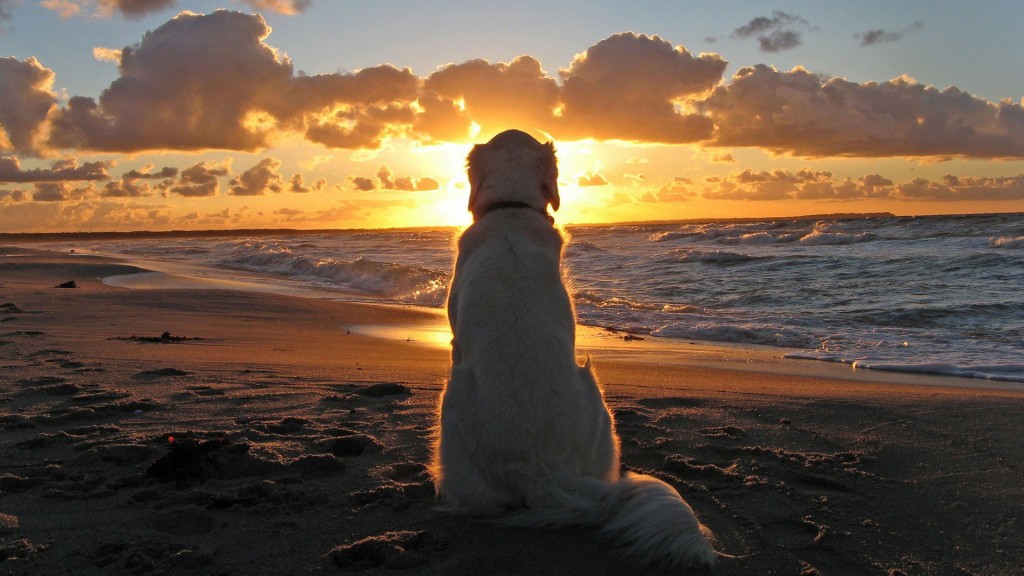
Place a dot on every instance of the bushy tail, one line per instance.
(641, 513)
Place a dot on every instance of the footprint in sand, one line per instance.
(387, 550)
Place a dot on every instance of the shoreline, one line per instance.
(143, 274)
(261, 436)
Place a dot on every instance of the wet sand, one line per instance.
(182, 430)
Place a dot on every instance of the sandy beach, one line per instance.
(185, 430)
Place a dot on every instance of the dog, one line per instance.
(525, 437)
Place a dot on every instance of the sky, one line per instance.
(119, 115)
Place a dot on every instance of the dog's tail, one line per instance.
(641, 513)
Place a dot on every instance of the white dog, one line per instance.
(525, 436)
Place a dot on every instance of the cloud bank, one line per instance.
(203, 82)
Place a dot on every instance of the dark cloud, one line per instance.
(26, 97)
(800, 113)
(298, 185)
(133, 9)
(363, 183)
(405, 183)
(6, 6)
(780, 32)
(67, 169)
(264, 177)
(627, 87)
(200, 180)
(809, 184)
(126, 188)
(165, 172)
(879, 35)
(385, 180)
(58, 192)
(15, 196)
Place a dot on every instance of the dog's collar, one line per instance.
(515, 204)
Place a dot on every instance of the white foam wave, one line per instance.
(1008, 242)
(819, 237)
(745, 333)
(415, 285)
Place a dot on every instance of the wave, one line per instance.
(1009, 371)
(408, 284)
(577, 248)
(819, 237)
(1008, 243)
(762, 238)
(685, 256)
(746, 333)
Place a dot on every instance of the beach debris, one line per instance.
(165, 338)
(389, 550)
(159, 373)
(8, 523)
(68, 284)
(631, 337)
(190, 459)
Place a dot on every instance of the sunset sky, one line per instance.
(167, 114)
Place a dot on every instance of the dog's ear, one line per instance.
(551, 175)
(476, 178)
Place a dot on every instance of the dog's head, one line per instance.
(512, 167)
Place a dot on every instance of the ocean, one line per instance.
(935, 294)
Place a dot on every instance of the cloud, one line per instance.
(106, 54)
(193, 83)
(126, 188)
(5, 9)
(405, 183)
(200, 179)
(800, 113)
(385, 180)
(363, 184)
(591, 179)
(26, 97)
(288, 7)
(264, 177)
(134, 9)
(954, 189)
(61, 170)
(780, 32)
(147, 174)
(494, 96)
(202, 82)
(297, 184)
(678, 190)
(64, 8)
(879, 35)
(59, 192)
(807, 184)
(629, 87)
(211, 82)
(15, 196)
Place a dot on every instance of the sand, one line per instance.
(203, 431)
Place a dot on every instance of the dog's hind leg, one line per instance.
(459, 476)
(603, 460)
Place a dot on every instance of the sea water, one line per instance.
(937, 294)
